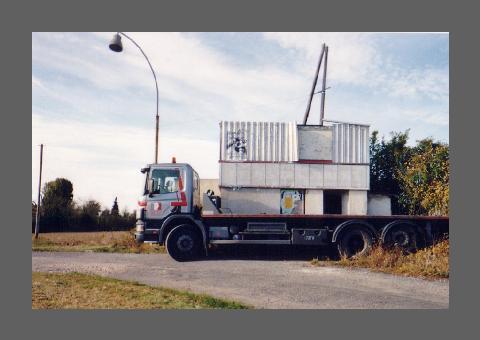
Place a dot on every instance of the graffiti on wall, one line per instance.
(291, 201)
(237, 143)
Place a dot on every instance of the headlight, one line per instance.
(140, 226)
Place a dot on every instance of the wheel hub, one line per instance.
(401, 238)
(356, 244)
(185, 243)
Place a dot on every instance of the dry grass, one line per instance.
(429, 263)
(104, 241)
(82, 291)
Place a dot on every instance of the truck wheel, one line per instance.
(402, 236)
(355, 242)
(183, 243)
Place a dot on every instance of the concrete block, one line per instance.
(316, 176)
(302, 175)
(258, 174)
(354, 202)
(295, 175)
(251, 201)
(313, 202)
(244, 174)
(359, 174)
(272, 175)
(344, 178)
(330, 176)
(228, 174)
(315, 142)
(287, 175)
(379, 205)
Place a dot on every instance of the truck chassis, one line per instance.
(187, 236)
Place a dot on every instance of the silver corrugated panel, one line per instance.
(350, 143)
(258, 141)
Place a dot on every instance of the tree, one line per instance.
(57, 206)
(416, 178)
(128, 219)
(89, 213)
(387, 160)
(115, 211)
(104, 219)
(425, 181)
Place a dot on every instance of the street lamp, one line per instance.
(116, 46)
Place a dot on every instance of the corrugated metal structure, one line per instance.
(279, 142)
(285, 168)
(258, 142)
(350, 143)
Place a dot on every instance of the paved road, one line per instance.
(261, 283)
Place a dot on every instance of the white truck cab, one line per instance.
(170, 189)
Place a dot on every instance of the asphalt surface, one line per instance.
(262, 283)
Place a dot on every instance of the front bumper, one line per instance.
(142, 234)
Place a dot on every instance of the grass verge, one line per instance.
(107, 242)
(429, 263)
(82, 291)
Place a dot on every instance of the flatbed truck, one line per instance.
(170, 213)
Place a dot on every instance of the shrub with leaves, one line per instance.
(415, 178)
(425, 179)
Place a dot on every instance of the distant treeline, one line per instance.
(59, 211)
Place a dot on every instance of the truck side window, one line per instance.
(165, 181)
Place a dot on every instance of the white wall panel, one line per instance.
(295, 175)
(287, 175)
(302, 175)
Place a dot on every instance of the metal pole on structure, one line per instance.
(315, 79)
(324, 84)
(37, 217)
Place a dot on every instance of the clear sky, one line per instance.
(95, 109)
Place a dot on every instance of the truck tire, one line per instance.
(184, 243)
(354, 242)
(402, 236)
(139, 239)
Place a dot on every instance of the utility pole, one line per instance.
(324, 84)
(37, 217)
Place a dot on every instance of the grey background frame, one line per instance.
(19, 20)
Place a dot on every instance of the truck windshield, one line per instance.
(165, 180)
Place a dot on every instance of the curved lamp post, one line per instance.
(116, 46)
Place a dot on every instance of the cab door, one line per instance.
(167, 192)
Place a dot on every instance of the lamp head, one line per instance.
(116, 43)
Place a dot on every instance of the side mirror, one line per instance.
(150, 185)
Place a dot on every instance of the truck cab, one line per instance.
(171, 189)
